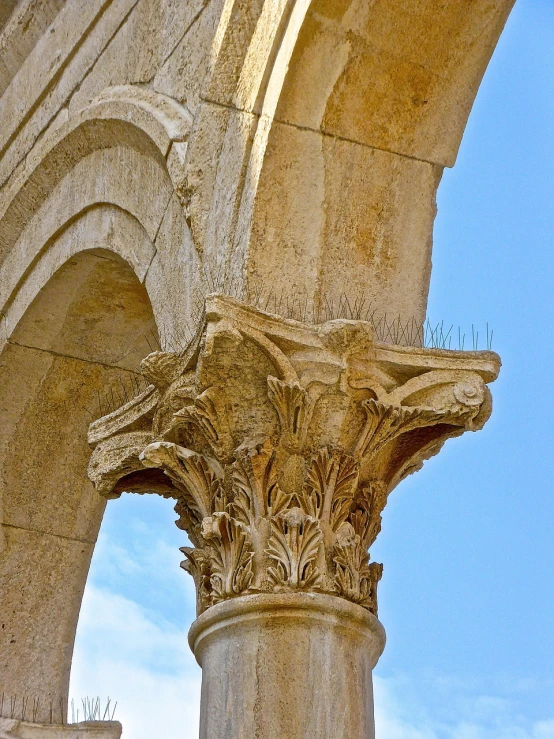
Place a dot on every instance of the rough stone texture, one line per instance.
(277, 666)
(6, 11)
(14, 729)
(39, 613)
(403, 73)
(56, 370)
(65, 53)
(172, 279)
(283, 152)
(184, 73)
(281, 441)
(335, 212)
(148, 36)
(24, 28)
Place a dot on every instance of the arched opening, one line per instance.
(80, 340)
(131, 645)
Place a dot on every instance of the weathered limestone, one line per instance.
(278, 94)
(15, 729)
(280, 442)
(289, 665)
(54, 372)
(284, 152)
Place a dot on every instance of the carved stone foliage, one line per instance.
(280, 443)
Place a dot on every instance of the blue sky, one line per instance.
(467, 596)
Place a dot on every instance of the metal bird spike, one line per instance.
(147, 339)
(124, 389)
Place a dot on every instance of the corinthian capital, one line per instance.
(281, 441)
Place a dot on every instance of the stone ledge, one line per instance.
(15, 729)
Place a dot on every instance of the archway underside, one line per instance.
(72, 355)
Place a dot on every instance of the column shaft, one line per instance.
(290, 666)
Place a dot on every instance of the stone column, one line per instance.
(280, 442)
(287, 665)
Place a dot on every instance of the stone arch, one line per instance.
(373, 105)
(150, 124)
(350, 110)
(100, 227)
(83, 333)
(123, 152)
(266, 187)
(91, 228)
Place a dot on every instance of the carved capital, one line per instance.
(281, 441)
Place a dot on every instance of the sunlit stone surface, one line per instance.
(240, 196)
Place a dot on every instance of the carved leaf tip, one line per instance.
(294, 546)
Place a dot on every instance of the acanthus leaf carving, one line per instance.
(197, 564)
(355, 578)
(230, 553)
(209, 415)
(330, 487)
(281, 441)
(256, 490)
(294, 547)
(385, 422)
(197, 478)
(366, 512)
(294, 409)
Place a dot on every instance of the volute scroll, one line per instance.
(281, 441)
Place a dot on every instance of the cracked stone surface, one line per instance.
(284, 156)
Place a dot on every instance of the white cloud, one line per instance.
(402, 712)
(137, 658)
(544, 730)
(144, 665)
(138, 556)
